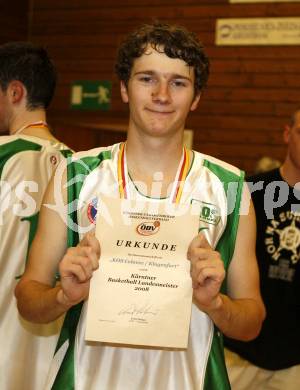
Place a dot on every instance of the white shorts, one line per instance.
(245, 376)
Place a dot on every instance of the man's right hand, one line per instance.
(76, 269)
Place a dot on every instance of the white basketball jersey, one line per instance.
(96, 366)
(26, 165)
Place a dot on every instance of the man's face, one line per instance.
(292, 139)
(160, 94)
(4, 112)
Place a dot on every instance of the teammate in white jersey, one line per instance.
(28, 156)
(162, 70)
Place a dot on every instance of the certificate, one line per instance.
(142, 292)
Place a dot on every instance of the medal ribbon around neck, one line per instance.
(39, 124)
(179, 181)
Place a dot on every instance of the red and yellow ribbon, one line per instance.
(182, 176)
(121, 172)
(183, 172)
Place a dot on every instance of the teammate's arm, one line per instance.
(39, 298)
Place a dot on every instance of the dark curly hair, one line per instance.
(31, 65)
(175, 41)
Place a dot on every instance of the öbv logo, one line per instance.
(148, 228)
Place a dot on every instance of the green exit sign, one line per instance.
(91, 95)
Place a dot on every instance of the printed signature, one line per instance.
(142, 310)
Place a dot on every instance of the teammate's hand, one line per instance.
(207, 272)
(76, 270)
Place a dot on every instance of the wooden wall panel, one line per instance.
(13, 20)
(251, 92)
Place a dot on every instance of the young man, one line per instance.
(272, 360)
(162, 70)
(28, 157)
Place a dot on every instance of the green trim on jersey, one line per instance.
(33, 223)
(66, 152)
(65, 376)
(76, 173)
(145, 196)
(216, 377)
(10, 149)
(226, 243)
(191, 164)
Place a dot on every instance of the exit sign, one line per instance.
(91, 95)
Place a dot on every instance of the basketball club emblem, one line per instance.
(92, 210)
